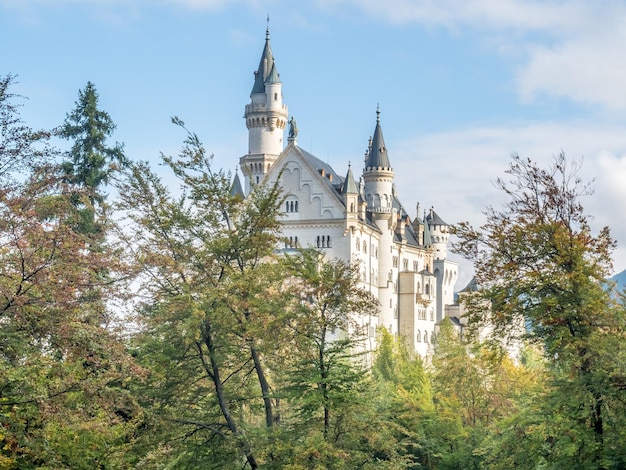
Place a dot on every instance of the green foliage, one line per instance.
(64, 401)
(210, 319)
(91, 160)
(21, 148)
(538, 264)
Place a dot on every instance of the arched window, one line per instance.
(358, 244)
(296, 205)
(319, 243)
(418, 337)
(287, 206)
(425, 336)
(427, 289)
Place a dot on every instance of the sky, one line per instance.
(461, 84)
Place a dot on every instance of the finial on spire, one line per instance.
(267, 28)
(377, 113)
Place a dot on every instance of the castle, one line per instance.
(402, 259)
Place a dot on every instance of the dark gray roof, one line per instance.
(236, 189)
(320, 165)
(349, 186)
(377, 156)
(433, 219)
(265, 66)
(337, 182)
(428, 241)
(272, 76)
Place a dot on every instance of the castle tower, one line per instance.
(378, 180)
(444, 270)
(350, 194)
(266, 118)
(378, 175)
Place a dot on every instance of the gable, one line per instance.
(311, 193)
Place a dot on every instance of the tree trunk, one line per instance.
(214, 373)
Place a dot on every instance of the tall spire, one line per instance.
(377, 157)
(266, 64)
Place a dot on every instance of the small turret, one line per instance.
(440, 234)
(378, 174)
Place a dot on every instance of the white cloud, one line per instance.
(573, 49)
(454, 171)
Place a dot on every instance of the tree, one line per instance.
(63, 399)
(21, 148)
(333, 420)
(210, 314)
(90, 161)
(539, 264)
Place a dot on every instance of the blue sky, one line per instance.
(461, 84)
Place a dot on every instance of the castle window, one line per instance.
(364, 247)
(296, 205)
(257, 180)
(395, 261)
(425, 337)
(275, 96)
(415, 266)
(405, 264)
(358, 244)
(427, 289)
(318, 242)
(418, 336)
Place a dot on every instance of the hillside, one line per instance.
(620, 279)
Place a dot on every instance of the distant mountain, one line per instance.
(620, 280)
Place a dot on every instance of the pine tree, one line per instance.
(90, 161)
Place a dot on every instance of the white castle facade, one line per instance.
(402, 257)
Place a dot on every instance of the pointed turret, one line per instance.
(440, 234)
(272, 78)
(236, 189)
(428, 241)
(377, 157)
(266, 118)
(349, 186)
(265, 66)
(378, 174)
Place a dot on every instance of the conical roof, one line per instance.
(428, 241)
(272, 77)
(266, 64)
(236, 189)
(377, 157)
(349, 186)
(433, 218)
